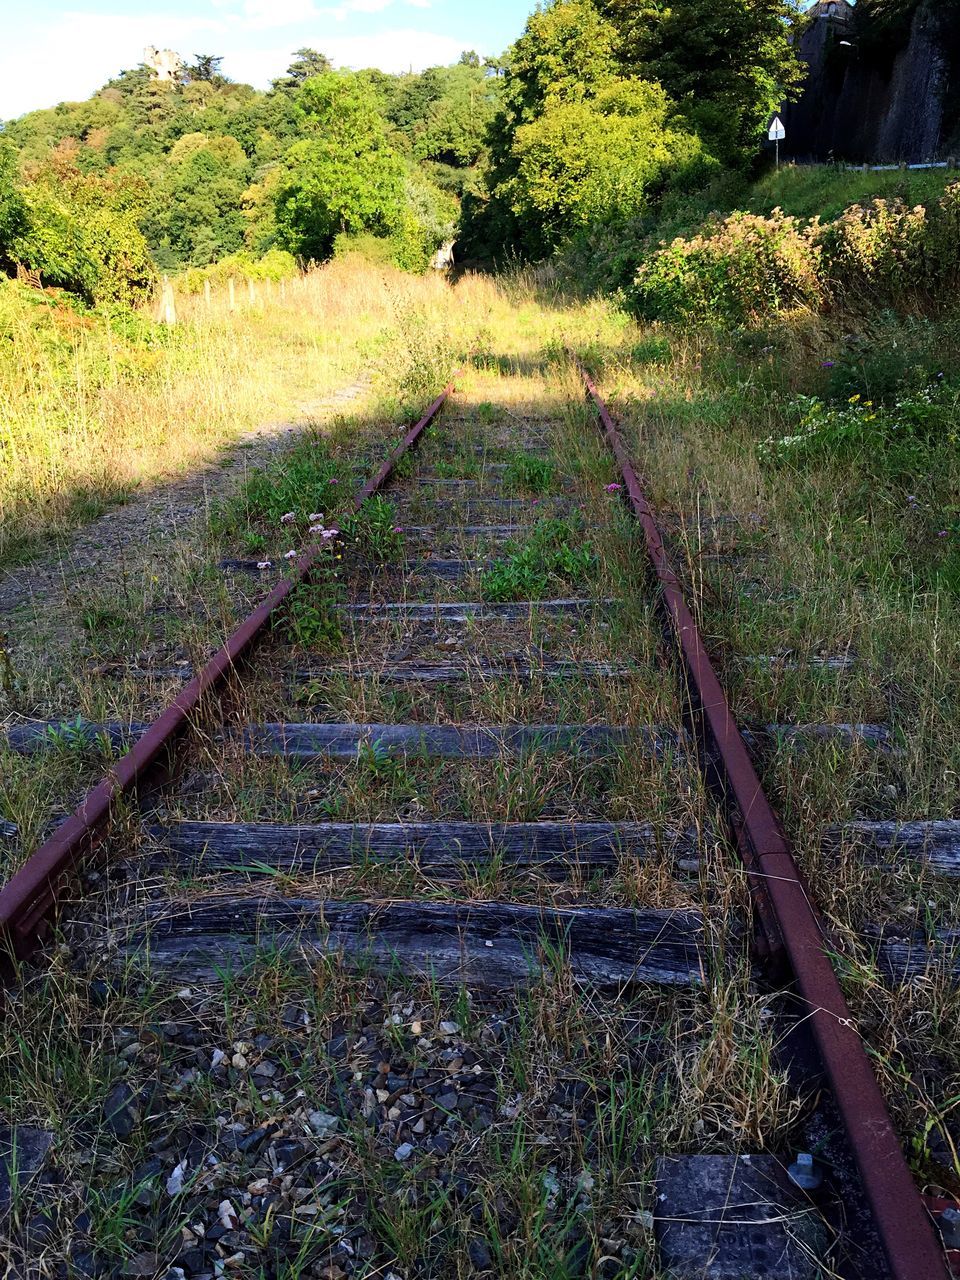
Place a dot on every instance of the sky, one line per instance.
(54, 51)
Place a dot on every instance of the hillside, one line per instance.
(186, 172)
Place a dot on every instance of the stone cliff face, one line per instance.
(871, 100)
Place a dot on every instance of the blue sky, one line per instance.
(54, 51)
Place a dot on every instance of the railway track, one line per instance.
(396, 823)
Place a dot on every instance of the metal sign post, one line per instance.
(777, 134)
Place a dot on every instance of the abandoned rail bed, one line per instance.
(518, 774)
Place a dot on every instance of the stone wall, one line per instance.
(870, 104)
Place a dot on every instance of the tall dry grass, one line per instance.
(97, 406)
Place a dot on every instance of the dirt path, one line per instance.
(141, 526)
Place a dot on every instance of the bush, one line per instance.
(275, 265)
(739, 271)
(84, 245)
(747, 268)
(873, 255)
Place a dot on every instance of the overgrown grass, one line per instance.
(788, 559)
(810, 479)
(101, 405)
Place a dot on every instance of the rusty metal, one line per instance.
(937, 1206)
(903, 1224)
(29, 895)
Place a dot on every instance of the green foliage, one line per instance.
(344, 178)
(312, 620)
(566, 53)
(554, 556)
(443, 114)
(81, 233)
(306, 64)
(728, 64)
(529, 473)
(275, 265)
(374, 531)
(886, 439)
(744, 269)
(13, 208)
(196, 215)
(739, 270)
(587, 162)
(610, 108)
(228, 171)
(304, 482)
(825, 191)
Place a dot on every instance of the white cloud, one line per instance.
(264, 14)
(67, 60)
(277, 13)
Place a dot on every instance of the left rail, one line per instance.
(29, 896)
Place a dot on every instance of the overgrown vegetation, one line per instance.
(554, 556)
(99, 404)
(155, 176)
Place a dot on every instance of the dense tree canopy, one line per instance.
(599, 110)
(344, 177)
(582, 162)
(728, 64)
(607, 102)
(222, 168)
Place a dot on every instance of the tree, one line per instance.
(728, 64)
(306, 64)
(566, 54)
(206, 67)
(13, 209)
(445, 113)
(582, 164)
(344, 177)
(196, 215)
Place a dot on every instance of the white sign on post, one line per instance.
(777, 131)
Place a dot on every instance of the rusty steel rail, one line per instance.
(788, 920)
(31, 893)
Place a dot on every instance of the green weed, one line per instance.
(529, 473)
(312, 621)
(374, 531)
(555, 555)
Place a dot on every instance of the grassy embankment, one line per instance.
(97, 407)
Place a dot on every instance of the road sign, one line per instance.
(777, 131)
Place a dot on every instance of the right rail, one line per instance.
(788, 923)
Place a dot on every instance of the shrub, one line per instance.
(739, 271)
(887, 438)
(555, 556)
(82, 233)
(746, 268)
(873, 255)
(275, 265)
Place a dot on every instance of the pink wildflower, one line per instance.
(289, 555)
(317, 515)
(329, 533)
(614, 488)
(288, 518)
